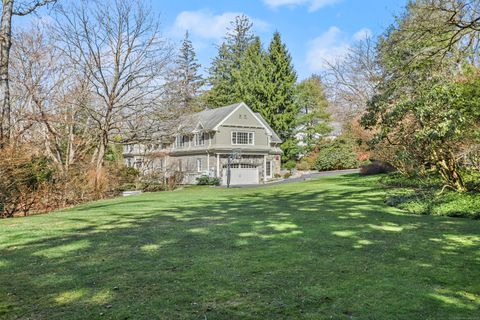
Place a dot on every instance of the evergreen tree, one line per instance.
(239, 38)
(230, 54)
(185, 82)
(313, 118)
(220, 79)
(251, 79)
(281, 109)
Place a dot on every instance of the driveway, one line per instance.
(304, 177)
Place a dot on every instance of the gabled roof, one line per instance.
(275, 138)
(211, 119)
(208, 118)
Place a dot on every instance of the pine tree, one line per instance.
(239, 38)
(282, 109)
(185, 82)
(251, 78)
(230, 54)
(220, 80)
(313, 119)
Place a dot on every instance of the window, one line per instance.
(180, 141)
(199, 165)
(162, 163)
(200, 139)
(130, 148)
(138, 164)
(180, 165)
(129, 162)
(268, 169)
(239, 137)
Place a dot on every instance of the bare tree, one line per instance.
(9, 9)
(47, 98)
(351, 81)
(118, 48)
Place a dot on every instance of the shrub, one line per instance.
(23, 178)
(307, 162)
(447, 203)
(290, 165)
(287, 175)
(337, 154)
(128, 175)
(375, 167)
(208, 181)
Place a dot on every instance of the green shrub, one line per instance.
(287, 175)
(290, 165)
(447, 203)
(337, 154)
(208, 181)
(128, 175)
(427, 195)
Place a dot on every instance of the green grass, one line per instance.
(428, 196)
(323, 249)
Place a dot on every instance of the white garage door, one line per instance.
(241, 174)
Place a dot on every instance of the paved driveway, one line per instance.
(298, 179)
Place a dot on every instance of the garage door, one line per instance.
(241, 174)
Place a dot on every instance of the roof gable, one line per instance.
(235, 114)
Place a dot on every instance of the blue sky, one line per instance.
(313, 30)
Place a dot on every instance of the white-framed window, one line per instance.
(200, 138)
(180, 141)
(129, 162)
(199, 165)
(241, 137)
(268, 169)
(130, 148)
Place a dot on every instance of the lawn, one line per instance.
(323, 249)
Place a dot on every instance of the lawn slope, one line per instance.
(327, 248)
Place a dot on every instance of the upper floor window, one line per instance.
(200, 138)
(180, 141)
(239, 137)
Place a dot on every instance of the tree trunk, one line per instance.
(5, 44)
(447, 166)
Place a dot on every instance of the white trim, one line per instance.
(242, 144)
(251, 112)
(199, 165)
(264, 168)
(269, 165)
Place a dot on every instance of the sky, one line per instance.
(314, 31)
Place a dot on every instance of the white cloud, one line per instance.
(330, 47)
(207, 25)
(362, 34)
(313, 5)
(327, 48)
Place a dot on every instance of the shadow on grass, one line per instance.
(325, 248)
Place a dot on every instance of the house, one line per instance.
(203, 142)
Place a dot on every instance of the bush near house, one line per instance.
(337, 154)
(208, 181)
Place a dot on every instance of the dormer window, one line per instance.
(180, 141)
(200, 138)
